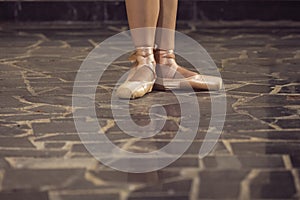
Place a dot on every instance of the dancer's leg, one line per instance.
(142, 18)
(167, 21)
(166, 67)
(165, 36)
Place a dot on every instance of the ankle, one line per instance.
(143, 55)
(167, 66)
(163, 56)
(144, 51)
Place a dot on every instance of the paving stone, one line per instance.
(11, 131)
(27, 117)
(24, 195)
(295, 159)
(279, 81)
(18, 179)
(3, 164)
(223, 184)
(256, 156)
(248, 67)
(9, 70)
(117, 136)
(51, 163)
(52, 43)
(177, 189)
(10, 102)
(122, 177)
(243, 162)
(251, 41)
(193, 149)
(245, 125)
(160, 197)
(15, 142)
(9, 111)
(272, 100)
(295, 89)
(229, 136)
(269, 185)
(237, 117)
(53, 100)
(87, 196)
(244, 77)
(269, 53)
(60, 137)
(80, 148)
(291, 148)
(12, 83)
(269, 112)
(288, 123)
(272, 135)
(32, 153)
(254, 89)
(18, 40)
(54, 127)
(59, 59)
(285, 43)
(56, 145)
(185, 163)
(11, 52)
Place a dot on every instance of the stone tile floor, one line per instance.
(256, 157)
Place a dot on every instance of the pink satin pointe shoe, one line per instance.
(136, 85)
(172, 76)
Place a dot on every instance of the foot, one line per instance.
(172, 76)
(142, 75)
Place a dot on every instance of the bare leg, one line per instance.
(142, 18)
(167, 21)
(165, 39)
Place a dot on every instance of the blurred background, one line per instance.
(114, 10)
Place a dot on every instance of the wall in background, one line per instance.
(114, 10)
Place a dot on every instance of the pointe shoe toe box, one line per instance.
(134, 89)
(211, 82)
(198, 82)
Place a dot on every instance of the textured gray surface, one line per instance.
(257, 156)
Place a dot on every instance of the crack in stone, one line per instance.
(245, 193)
(243, 100)
(28, 85)
(110, 123)
(194, 193)
(227, 145)
(296, 176)
(93, 179)
(2, 173)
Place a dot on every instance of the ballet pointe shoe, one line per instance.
(172, 76)
(131, 88)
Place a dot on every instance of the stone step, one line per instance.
(114, 10)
